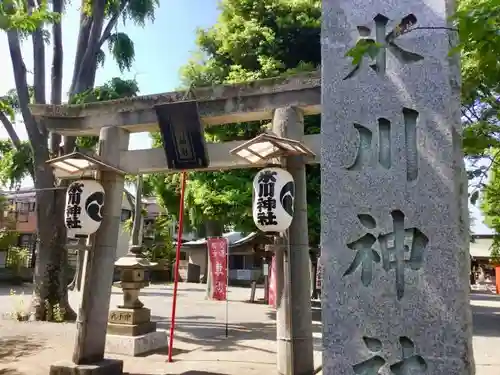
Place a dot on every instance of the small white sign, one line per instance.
(265, 269)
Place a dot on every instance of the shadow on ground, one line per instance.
(11, 371)
(150, 293)
(191, 372)
(315, 312)
(211, 335)
(14, 347)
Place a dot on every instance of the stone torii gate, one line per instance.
(285, 101)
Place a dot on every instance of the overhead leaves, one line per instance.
(14, 15)
(251, 40)
(14, 163)
(115, 88)
(122, 48)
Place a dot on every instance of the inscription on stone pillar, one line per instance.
(384, 42)
(393, 231)
(366, 151)
(120, 317)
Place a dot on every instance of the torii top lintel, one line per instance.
(223, 104)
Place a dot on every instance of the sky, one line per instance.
(161, 49)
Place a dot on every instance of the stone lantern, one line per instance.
(130, 329)
(133, 269)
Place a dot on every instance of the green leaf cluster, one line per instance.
(363, 47)
(15, 162)
(115, 88)
(14, 15)
(162, 246)
(251, 40)
(478, 22)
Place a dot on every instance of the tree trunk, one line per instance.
(51, 271)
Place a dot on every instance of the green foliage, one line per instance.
(122, 48)
(129, 223)
(6, 108)
(251, 40)
(116, 88)
(478, 22)
(363, 47)
(14, 15)
(14, 162)
(8, 238)
(490, 202)
(162, 246)
(55, 313)
(18, 258)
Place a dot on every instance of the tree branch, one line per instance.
(83, 42)
(86, 56)
(38, 62)
(89, 56)
(112, 23)
(434, 28)
(57, 71)
(23, 94)
(15, 140)
(466, 115)
(10, 130)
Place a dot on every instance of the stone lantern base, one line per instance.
(131, 332)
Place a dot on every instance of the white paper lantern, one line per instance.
(84, 202)
(273, 199)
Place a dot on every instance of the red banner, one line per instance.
(218, 263)
(272, 283)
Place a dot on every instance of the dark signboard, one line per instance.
(182, 134)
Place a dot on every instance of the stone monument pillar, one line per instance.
(293, 316)
(130, 329)
(394, 221)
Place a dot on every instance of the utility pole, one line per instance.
(293, 315)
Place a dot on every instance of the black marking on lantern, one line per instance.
(93, 205)
(266, 200)
(287, 197)
(73, 209)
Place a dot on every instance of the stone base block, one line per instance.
(104, 367)
(129, 316)
(131, 330)
(136, 345)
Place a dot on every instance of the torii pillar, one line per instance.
(293, 308)
(88, 355)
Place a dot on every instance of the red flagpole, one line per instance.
(177, 261)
